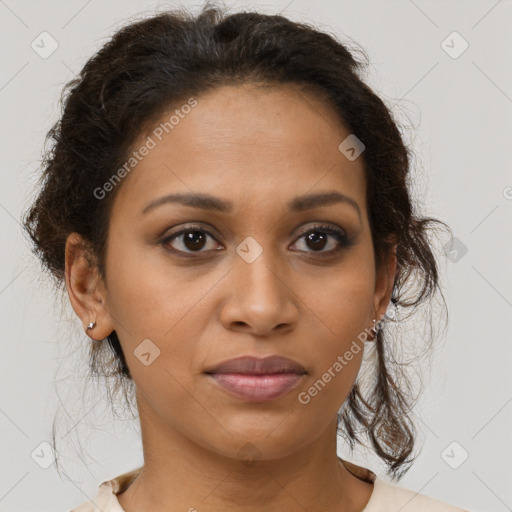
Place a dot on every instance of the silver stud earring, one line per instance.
(91, 326)
(374, 329)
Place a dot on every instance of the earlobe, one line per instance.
(85, 290)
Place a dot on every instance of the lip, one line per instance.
(251, 365)
(258, 380)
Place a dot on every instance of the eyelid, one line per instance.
(321, 225)
(344, 241)
(191, 227)
(341, 235)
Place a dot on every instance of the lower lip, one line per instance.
(257, 388)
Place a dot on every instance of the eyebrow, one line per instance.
(208, 202)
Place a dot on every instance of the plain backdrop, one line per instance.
(459, 103)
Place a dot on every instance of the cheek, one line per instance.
(338, 314)
(339, 302)
(336, 352)
(152, 300)
(146, 296)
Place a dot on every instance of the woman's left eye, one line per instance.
(317, 238)
(194, 239)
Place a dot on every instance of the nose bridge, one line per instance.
(257, 269)
(259, 298)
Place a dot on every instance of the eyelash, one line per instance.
(340, 235)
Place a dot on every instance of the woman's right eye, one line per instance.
(189, 240)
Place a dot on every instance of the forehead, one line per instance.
(248, 143)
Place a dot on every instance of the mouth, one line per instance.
(257, 387)
(257, 380)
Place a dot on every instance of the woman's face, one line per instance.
(244, 279)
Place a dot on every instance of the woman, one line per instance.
(227, 204)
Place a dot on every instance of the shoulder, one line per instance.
(104, 501)
(106, 496)
(388, 496)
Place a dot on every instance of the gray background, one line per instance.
(460, 109)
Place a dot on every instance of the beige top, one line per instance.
(386, 497)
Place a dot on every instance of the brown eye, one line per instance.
(318, 238)
(189, 240)
(194, 240)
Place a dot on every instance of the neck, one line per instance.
(180, 475)
(269, 473)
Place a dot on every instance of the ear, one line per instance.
(384, 282)
(86, 289)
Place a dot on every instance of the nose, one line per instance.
(261, 301)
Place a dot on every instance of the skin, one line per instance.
(258, 148)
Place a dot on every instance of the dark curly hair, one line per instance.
(149, 65)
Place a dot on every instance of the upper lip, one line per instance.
(258, 366)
